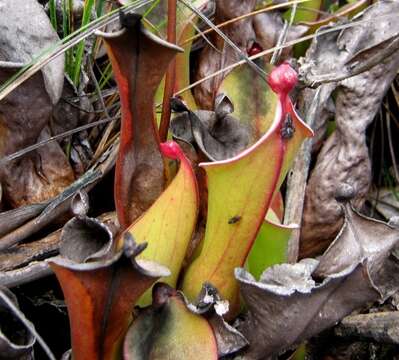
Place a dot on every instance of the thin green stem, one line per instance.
(80, 48)
(53, 14)
(100, 7)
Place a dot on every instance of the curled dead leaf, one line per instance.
(344, 159)
(356, 269)
(361, 238)
(24, 115)
(268, 27)
(217, 133)
(16, 342)
(23, 39)
(26, 111)
(380, 326)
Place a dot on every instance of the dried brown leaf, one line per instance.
(268, 27)
(287, 300)
(22, 39)
(16, 342)
(381, 326)
(218, 134)
(344, 160)
(25, 112)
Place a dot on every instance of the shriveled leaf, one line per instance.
(169, 329)
(51, 173)
(68, 115)
(360, 43)
(218, 134)
(270, 246)
(287, 300)
(22, 255)
(100, 286)
(16, 342)
(60, 204)
(268, 27)
(17, 334)
(139, 175)
(30, 99)
(23, 39)
(344, 159)
(168, 225)
(45, 172)
(11, 219)
(240, 192)
(360, 238)
(26, 111)
(380, 326)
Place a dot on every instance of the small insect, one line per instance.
(234, 219)
(287, 130)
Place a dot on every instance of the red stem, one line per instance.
(170, 75)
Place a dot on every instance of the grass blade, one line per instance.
(53, 14)
(80, 50)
